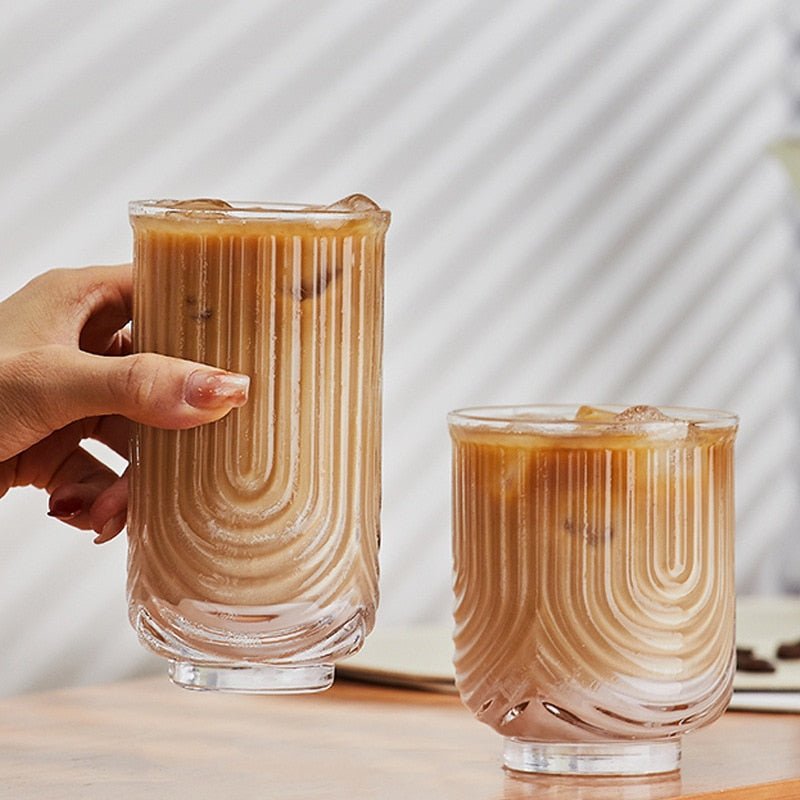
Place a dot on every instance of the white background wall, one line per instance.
(583, 211)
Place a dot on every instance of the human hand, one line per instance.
(66, 374)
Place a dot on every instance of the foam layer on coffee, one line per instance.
(594, 575)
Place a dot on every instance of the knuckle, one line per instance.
(78, 291)
(54, 296)
(94, 294)
(142, 380)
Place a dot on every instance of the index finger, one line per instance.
(106, 295)
(58, 304)
(102, 297)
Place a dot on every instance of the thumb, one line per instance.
(153, 389)
(57, 385)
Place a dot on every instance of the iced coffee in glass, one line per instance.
(253, 541)
(594, 583)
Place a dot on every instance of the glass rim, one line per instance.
(559, 418)
(246, 210)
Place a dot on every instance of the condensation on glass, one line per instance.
(253, 541)
(594, 580)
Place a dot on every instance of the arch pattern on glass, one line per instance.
(593, 577)
(255, 539)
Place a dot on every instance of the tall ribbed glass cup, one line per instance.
(253, 541)
(594, 583)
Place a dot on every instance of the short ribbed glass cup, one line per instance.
(253, 541)
(594, 581)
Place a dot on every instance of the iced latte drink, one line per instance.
(253, 540)
(594, 580)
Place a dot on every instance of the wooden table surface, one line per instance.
(149, 739)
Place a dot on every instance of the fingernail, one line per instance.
(66, 508)
(213, 390)
(112, 527)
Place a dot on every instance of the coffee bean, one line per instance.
(746, 662)
(789, 650)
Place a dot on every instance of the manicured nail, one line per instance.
(112, 527)
(66, 508)
(213, 390)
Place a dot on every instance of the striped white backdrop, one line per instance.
(583, 211)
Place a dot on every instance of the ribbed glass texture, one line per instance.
(254, 540)
(593, 570)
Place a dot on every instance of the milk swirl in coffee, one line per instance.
(254, 540)
(593, 571)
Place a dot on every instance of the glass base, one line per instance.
(596, 758)
(252, 678)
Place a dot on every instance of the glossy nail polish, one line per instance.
(112, 527)
(66, 508)
(213, 390)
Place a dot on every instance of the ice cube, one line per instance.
(201, 204)
(594, 414)
(642, 414)
(354, 202)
